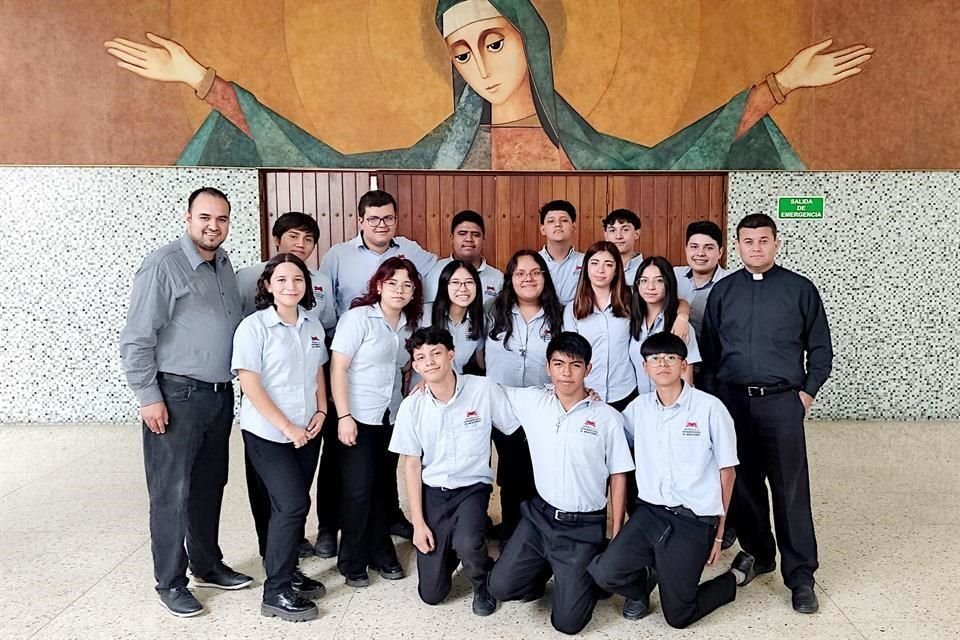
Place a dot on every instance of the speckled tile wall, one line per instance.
(72, 240)
(884, 258)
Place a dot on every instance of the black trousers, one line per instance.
(515, 477)
(186, 469)
(542, 545)
(677, 547)
(772, 448)
(458, 520)
(286, 473)
(364, 478)
(328, 477)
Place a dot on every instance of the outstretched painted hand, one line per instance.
(811, 67)
(169, 62)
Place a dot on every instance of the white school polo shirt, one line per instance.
(325, 311)
(612, 375)
(564, 273)
(287, 358)
(696, 296)
(377, 354)
(453, 437)
(350, 265)
(630, 269)
(644, 383)
(680, 449)
(523, 361)
(463, 346)
(573, 452)
(491, 281)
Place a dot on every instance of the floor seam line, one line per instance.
(336, 632)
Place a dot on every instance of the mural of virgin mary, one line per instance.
(506, 108)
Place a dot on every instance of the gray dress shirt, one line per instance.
(183, 312)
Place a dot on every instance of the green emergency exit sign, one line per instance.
(801, 208)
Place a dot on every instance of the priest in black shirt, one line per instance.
(766, 352)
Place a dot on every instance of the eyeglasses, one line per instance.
(461, 284)
(536, 274)
(393, 285)
(663, 359)
(375, 221)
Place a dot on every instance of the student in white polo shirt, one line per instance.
(443, 433)
(578, 446)
(704, 249)
(655, 308)
(295, 232)
(369, 353)
(686, 450)
(351, 264)
(458, 308)
(466, 241)
(622, 228)
(601, 314)
(521, 321)
(558, 222)
(278, 354)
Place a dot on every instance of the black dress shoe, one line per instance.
(358, 580)
(326, 546)
(805, 599)
(391, 572)
(402, 529)
(223, 577)
(290, 607)
(483, 603)
(304, 549)
(180, 602)
(636, 609)
(307, 587)
(729, 537)
(749, 567)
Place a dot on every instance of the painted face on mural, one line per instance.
(208, 221)
(489, 55)
(758, 248)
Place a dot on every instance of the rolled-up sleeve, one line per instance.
(151, 307)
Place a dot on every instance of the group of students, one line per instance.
(580, 369)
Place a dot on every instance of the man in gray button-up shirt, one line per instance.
(176, 349)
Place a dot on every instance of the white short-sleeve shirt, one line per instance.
(573, 452)
(287, 358)
(378, 353)
(644, 383)
(680, 449)
(491, 281)
(696, 296)
(325, 311)
(564, 273)
(350, 265)
(464, 347)
(522, 362)
(612, 375)
(453, 437)
(630, 269)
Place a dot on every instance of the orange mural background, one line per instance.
(374, 74)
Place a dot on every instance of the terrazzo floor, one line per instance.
(75, 552)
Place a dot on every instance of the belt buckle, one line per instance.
(558, 515)
(219, 386)
(755, 391)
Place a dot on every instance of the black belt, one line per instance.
(600, 515)
(758, 391)
(683, 512)
(216, 387)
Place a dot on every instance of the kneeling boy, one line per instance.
(577, 445)
(443, 434)
(686, 451)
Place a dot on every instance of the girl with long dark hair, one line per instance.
(523, 318)
(459, 309)
(369, 353)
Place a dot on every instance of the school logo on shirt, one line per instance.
(578, 268)
(472, 417)
(316, 342)
(589, 427)
(318, 292)
(545, 334)
(691, 429)
(490, 291)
